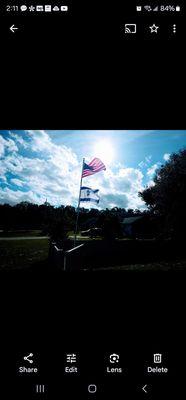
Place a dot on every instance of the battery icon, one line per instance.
(178, 8)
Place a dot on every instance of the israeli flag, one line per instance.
(89, 195)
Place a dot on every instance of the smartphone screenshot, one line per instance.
(92, 199)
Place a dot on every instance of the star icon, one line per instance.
(154, 28)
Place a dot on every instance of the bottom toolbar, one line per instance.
(30, 374)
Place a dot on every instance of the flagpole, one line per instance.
(76, 228)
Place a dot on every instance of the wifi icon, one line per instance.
(148, 8)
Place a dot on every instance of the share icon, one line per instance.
(27, 358)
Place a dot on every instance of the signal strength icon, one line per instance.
(155, 9)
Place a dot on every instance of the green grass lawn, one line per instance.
(33, 254)
(23, 253)
(35, 232)
(156, 266)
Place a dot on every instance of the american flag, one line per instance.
(94, 166)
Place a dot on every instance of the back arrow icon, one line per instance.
(144, 388)
(13, 28)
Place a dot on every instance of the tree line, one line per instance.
(167, 197)
(59, 220)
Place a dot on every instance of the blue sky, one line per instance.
(35, 165)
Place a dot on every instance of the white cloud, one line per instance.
(54, 173)
(119, 188)
(16, 196)
(148, 159)
(151, 171)
(40, 141)
(11, 145)
(17, 182)
(2, 146)
(146, 162)
(151, 183)
(19, 139)
(7, 144)
(166, 156)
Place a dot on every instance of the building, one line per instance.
(143, 226)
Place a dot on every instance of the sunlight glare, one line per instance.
(104, 150)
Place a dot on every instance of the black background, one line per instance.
(90, 79)
(81, 73)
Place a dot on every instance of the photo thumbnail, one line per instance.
(92, 200)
